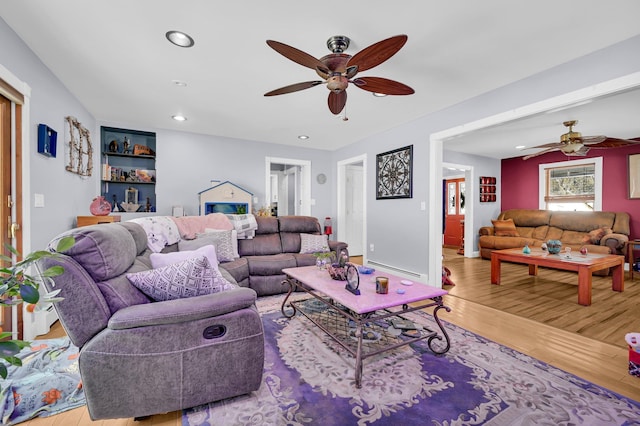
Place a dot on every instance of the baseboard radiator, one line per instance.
(390, 268)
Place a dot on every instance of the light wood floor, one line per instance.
(536, 327)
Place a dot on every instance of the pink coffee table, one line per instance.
(366, 308)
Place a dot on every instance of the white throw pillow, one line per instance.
(189, 278)
(234, 239)
(222, 240)
(310, 243)
(158, 260)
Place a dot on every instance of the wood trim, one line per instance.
(10, 92)
(17, 198)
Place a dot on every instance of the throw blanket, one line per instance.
(189, 226)
(47, 383)
(244, 224)
(161, 231)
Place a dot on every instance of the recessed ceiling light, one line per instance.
(521, 146)
(179, 117)
(303, 137)
(379, 95)
(179, 83)
(180, 39)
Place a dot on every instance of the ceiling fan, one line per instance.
(574, 144)
(338, 69)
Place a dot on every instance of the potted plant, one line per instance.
(17, 285)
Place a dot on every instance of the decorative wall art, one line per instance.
(78, 149)
(47, 140)
(488, 189)
(394, 174)
(634, 175)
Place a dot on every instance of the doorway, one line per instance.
(453, 235)
(288, 186)
(352, 195)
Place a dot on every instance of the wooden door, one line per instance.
(10, 205)
(453, 212)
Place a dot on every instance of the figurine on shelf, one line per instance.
(126, 145)
(148, 205)
(115, 203)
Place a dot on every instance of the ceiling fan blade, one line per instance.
(337, 101)
(297, 56)
(526, 157)
(383, 85)
(293, 88)
(547, 145)
(613, 143)
(377, 53)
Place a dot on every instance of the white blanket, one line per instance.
(161, 231)
(244, 224)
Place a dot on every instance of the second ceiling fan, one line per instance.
(338, 69)
(574, 144)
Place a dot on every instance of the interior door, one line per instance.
(354, 209)
(454, 213)
(5, 193)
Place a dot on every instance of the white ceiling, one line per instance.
(113, 56)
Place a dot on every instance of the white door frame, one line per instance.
(305, 181)
(437, 141)
(341, 204)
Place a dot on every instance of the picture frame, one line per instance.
(634, 175)
(394, 174)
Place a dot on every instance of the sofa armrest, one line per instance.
(182, 310)
(615, 242)
(337, 247)
(486, 230)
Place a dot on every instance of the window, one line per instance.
(571, 185)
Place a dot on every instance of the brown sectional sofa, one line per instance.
(573, 229)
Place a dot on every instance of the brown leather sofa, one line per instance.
(600, 232)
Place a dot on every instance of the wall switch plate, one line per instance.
(38, 200)
(371, 247)
(423, 205)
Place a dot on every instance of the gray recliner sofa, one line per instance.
(139, 357)
(276, 246)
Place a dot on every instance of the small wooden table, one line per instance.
(631, 245)
(584, 265)
(95, 220)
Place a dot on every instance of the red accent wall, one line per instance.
(519, 183)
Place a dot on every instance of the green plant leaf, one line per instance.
(29, 294)
(3, 371)
(54, 271)
(8, 349)
(65, 244)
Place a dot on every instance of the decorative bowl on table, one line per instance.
(337, 272)
(554, 246)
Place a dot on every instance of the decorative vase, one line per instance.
(100, 207)
(337, 272)
(554, 246)
(526, 249)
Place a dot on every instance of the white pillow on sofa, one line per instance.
(310, 243)
(222, 240)
(158, 260)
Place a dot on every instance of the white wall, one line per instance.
(398, 228)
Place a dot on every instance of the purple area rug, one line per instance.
(309, 380)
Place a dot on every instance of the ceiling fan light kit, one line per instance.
(338, 69)
(573, 144)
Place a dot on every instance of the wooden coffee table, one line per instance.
(584, 265)
(367, 310)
